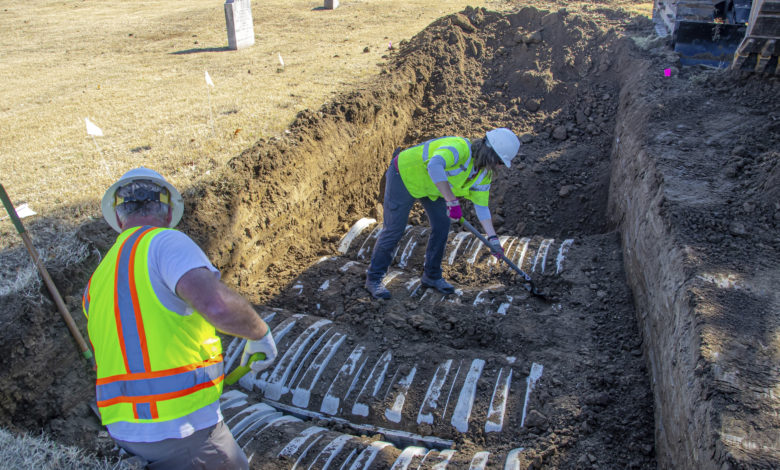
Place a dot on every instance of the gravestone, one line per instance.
(331, 4)
(240, 28)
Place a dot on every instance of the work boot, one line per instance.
(439, 284)
(377, 290)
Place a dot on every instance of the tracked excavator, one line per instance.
(740, 34)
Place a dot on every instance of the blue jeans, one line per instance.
(397, 204)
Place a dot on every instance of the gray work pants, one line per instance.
(212, 448)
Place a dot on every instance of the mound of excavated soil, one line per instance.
(564, 83)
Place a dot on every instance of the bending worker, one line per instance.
(437, 173)
(152, 306)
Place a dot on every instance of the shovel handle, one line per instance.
(241, 371)
(9, 207)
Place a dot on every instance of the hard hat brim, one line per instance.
(107, 203)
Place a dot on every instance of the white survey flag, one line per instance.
(93, 129)
(24, 211)
(208, 79)
(281, 62)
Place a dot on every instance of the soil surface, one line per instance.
(273, 222)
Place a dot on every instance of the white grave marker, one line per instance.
(331, 4)
(240, 28)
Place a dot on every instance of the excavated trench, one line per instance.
(489, 377)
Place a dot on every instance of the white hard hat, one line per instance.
(141, 174)
(505, 143)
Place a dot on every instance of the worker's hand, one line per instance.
(453, 210)
(265, 345)
(495, 246)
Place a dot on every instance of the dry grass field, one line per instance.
(136, 70)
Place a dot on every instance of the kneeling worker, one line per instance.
(437, 173)
(152, 306)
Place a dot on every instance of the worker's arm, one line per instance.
(485, 219)
(439, 178)
(220, 305)
(483, 214)
(446, 190)
(436, 171)
(487, 224)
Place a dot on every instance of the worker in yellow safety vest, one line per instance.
(437, 173)
(152, 306)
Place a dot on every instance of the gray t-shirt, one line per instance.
(173, 254)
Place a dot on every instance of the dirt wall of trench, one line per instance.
(693, 190)
(653, 265)
(544, 74)
(291, 199)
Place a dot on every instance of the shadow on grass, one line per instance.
(202, 49)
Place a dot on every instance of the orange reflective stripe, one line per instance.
(139, 322)
(162, 396)
(159, 373)
(85, 299)
(117, 313)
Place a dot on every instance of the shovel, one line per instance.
(530, 286)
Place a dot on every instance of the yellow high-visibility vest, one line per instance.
(459, 166)
(152, 363)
